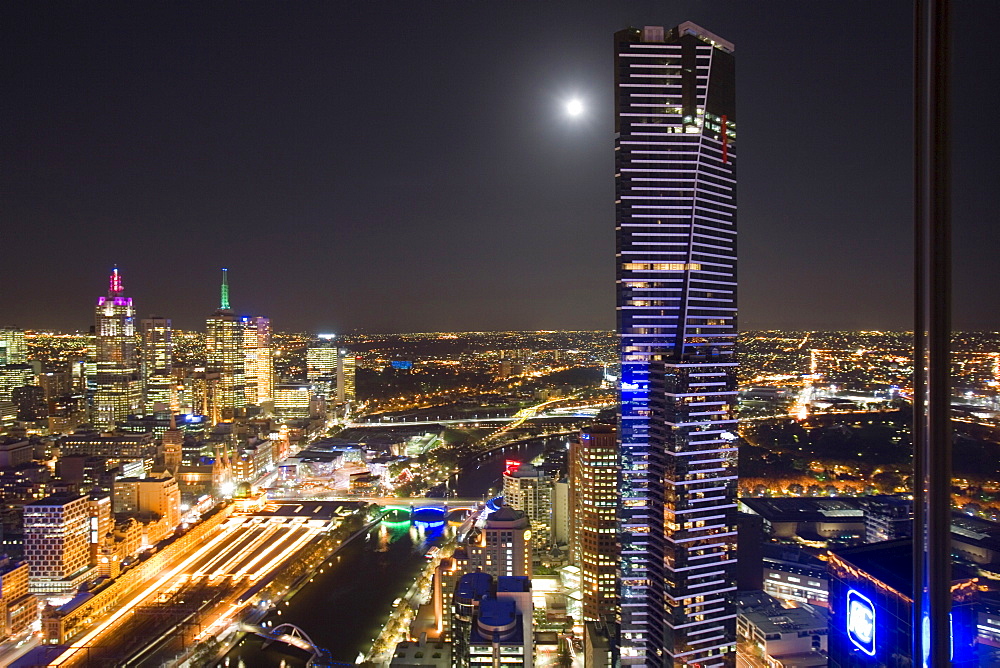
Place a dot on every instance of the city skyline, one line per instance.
(164, 130)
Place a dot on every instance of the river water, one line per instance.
(343, 608)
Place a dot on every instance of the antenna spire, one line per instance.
(224, 292)
(115, 282)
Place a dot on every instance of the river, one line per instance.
(343, 608)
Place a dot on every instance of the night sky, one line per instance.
(408, 166)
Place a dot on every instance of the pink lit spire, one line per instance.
(115, 283)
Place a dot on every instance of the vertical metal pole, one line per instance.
(932, 339)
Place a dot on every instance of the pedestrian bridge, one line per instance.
(293, 636)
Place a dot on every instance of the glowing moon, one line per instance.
(574, 107)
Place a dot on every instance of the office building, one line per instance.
(18, 608)
(292, 400)
(887, 518)
(12, 347)
(56, 544)
(675, 175)
(321, 361)
(593, 501)
(774, 635)
(503, 545)
(530, 490)
(871, 607)
(114, 447)
(117, 381)
(13, 376)
(346, 364)
(259, 360)
(493, 623)
(159, 496)
(157, 364)
(225, 355)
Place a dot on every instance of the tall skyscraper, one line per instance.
(225, 355)
(346, 364)
(676, 255)
(527, 489)
(157, 363)
(117, 383)
(593, 501)
(259, 365)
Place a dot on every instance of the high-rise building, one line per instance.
(346, 364)
(321, 361)
(12, 347)
(225, 355)
(259, 364)
(503, 545)
(675, 175)
(593, 502)
(117, 383)
(157, 364)
(56, 543)
(528, 489)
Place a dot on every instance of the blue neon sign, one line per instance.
(861, 622)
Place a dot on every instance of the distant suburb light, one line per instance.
(574, 107)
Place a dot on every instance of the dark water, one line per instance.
(344, 608)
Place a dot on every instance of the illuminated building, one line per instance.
(321, 361)
(157, 364)
(493, 623)
(871, 607)
(12, 346)
(530, 490)
(346, 364)
(18, 608)
(56, 543)
(173, 447)
(292, 400)
(116, 447)
(13, 376)
(159, 496)
(794, 636)
(259, 364)
(676, 274)
(100, 523)
(503, 545)
(225, 355)
(676, 256)
(117, 383)
(593, 501)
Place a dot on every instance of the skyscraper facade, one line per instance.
(259, 364)
(346, 365)
(676, 276)
(117, 383)
(225, 355)
(12, 347)
(157, 363)
(593, 501)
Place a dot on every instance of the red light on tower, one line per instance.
(512, 465)
(116, 282)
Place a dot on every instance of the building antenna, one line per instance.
(224, 291)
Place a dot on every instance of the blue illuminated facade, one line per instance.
(676, 277)
(870, 608)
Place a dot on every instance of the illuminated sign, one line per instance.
(511, 466)
(861, 622)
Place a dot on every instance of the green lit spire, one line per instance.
(224, 292)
